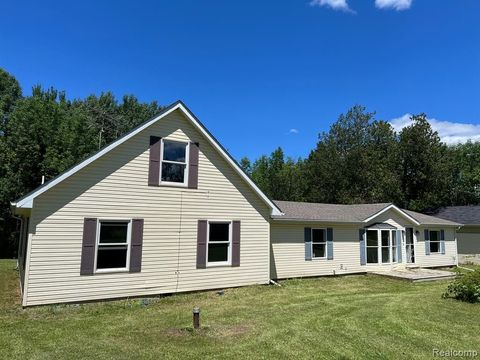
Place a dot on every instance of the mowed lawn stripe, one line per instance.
(352, 317)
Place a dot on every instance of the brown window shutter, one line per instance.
(202, 244)
(193, 166)
(136, 246)
(236, 243)
(154, 162)
(88, 246)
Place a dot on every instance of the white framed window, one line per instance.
(174, 162)
(219, 243)
(319, 243)
(385, 246)
(434, 241)
(113, 245)
(394, 246)
(372, 246)
(382, 246)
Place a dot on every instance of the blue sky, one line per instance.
(254, 70)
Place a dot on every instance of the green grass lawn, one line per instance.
(353, 317)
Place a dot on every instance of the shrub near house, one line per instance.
(467, 288)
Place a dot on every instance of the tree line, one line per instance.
(360, 159)
(364, 160)
(44, 134)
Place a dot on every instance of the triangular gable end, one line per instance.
(27, 200)
(392, 207)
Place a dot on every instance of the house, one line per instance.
(468, 237)
(166, 209)
(311, 239)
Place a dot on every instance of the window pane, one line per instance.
(409, 236)
(219, 232)
(113, 232)
(372, 255)
(318, 235)
(385, 236)
(385, 254)
(372, 238)
(217, 252)
(318, 250)
(109, 258)
(394, 238)
(434, 247)
(173, 172)
(174, 151)
(394, 254)
(434, 236)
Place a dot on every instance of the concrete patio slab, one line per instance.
(416, 275)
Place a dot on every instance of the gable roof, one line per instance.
(27, 200)
(468, 214)
(349, 214)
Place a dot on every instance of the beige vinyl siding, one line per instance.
(393, 218)
(449, 258)
(288, 248)
(433, 260)
(115, 187)
(288, 251)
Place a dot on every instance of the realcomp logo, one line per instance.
(455, 353)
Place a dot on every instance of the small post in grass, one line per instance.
(196, 317)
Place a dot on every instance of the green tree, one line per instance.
(246, 165)
(261, 174)
(426, 166)
(10, 92)
(466, 160)
(279, 178)
(339, 169)
(45, 134)
(382, 164)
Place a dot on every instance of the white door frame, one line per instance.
(413, 245)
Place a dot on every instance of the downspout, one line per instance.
(274, 283)
(456, 243)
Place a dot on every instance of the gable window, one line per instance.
(174, 162)
(434, 241)
(113, 242)
(319, 243)
(219, 243)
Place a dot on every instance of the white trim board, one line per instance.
(27, 201)
(391, 206)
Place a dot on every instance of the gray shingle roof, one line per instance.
(424, 219)
(328, 212)
(468, 215)
(356, 213)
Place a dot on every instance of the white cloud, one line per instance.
(393, 4)
(334, 4)
(450, 132)
(293, 131)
